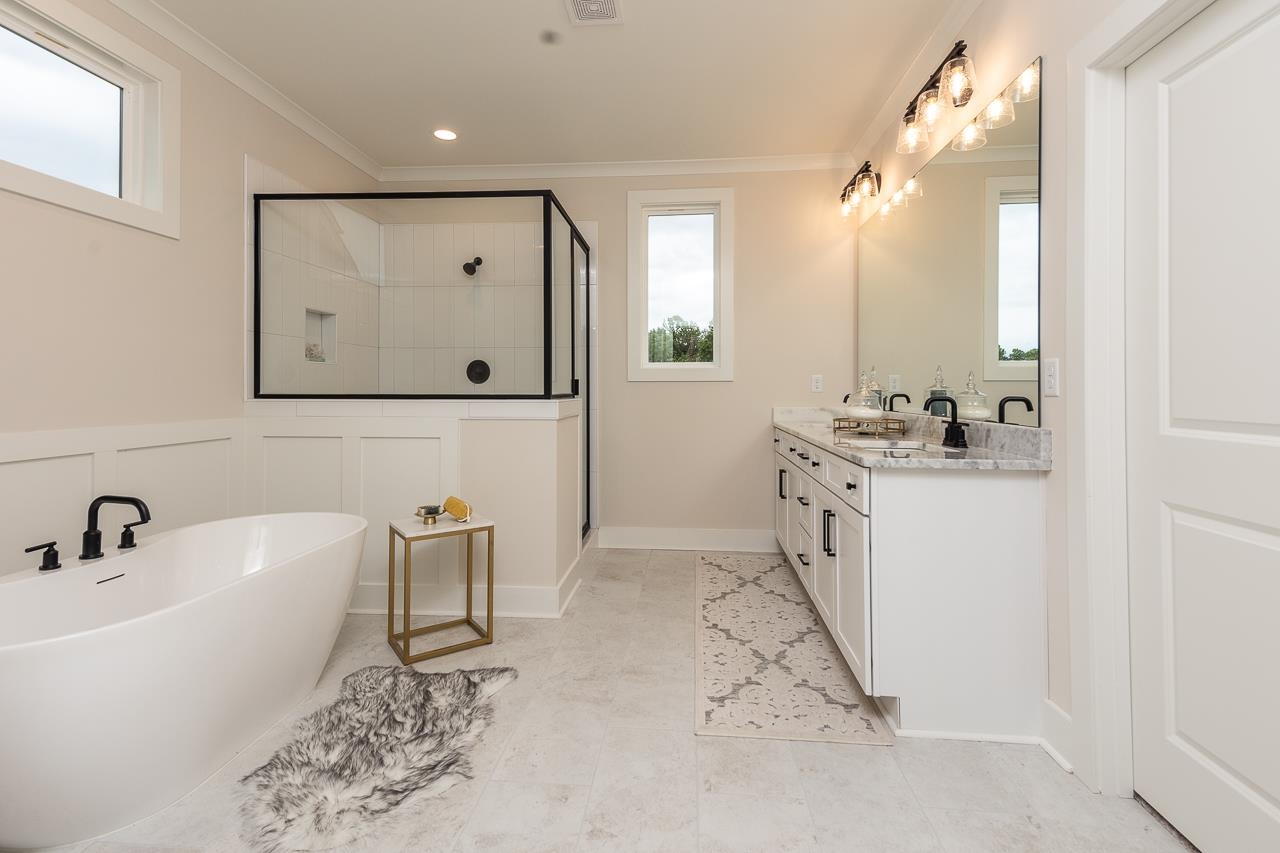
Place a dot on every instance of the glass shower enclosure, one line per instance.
(445, 295)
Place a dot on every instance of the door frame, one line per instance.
(1097, 519)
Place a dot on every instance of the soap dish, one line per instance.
(429, 513)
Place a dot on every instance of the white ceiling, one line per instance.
(680, 79)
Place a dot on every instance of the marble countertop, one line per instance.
(1009, 448)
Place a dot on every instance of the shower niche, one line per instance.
(419, 295)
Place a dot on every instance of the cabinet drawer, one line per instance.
(849, 481)
(813, 465)
(803, 489)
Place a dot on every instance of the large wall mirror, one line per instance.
(950, 277)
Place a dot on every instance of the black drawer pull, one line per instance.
(782, 483)
(851, 486)
(803, 502)
(804, 456)
(815, 463)
(802, 560)
(827, 547)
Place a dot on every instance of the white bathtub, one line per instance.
(118, 696)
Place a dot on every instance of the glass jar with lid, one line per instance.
(864, 404)
(971, 403)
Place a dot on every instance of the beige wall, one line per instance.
(922, 286)
(106, 324)
(694, 454)
(1004, 36)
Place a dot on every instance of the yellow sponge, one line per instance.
(458, 508)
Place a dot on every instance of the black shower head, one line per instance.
(470, 266)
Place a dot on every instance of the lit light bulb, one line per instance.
(867, 185)
(1027, 86)
(898, 199)
(958, 84)
(845, 208)
(973, 136)
(912, 188)
(999, 113)
(885, 209)
(928, 109)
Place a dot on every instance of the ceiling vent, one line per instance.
(592, 12)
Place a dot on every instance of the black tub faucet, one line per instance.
(91, 544)
(954, 435)
(1023, 400)
(893, 397)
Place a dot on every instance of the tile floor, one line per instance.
(593, 749)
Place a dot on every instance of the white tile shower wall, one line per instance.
(434, 319)
(321, 258)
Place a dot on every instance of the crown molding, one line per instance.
(986, 154)
(620, 169)
(175, 30)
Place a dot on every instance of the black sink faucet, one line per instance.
(893, 397)
(91, 544)
(1023, 400)
(954, 435)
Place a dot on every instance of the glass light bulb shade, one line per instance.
(999, 113)
(928, 109)
(913, 188)
(845, 208)
(956, 82)
(913, 136)
(885, 210)
(898, 199)
(868, 186)
(1027, 86)
(973, 136)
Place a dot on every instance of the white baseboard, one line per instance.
(1057, 733)
(978, 736)
(539, 602)
(688, 539)
(569, 584)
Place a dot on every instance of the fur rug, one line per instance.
(393, 733)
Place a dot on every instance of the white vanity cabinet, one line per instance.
(929, 579)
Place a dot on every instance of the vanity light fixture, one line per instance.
(912, 188)
(865, 184)
(956, 82)
(950, 86)
(885, 210)
(913, 135)
(898, 199)
(1027, 86)
(973, 137)
(445, 135)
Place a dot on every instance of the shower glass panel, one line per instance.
(414, 295)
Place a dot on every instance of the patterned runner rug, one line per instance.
(766, 666)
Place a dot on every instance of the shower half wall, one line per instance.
(419, 295)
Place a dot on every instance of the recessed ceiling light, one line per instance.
(446, 135)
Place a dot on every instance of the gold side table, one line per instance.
(410, 530)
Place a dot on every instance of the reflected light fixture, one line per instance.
(973, 136)
(445, 135)
(885, 210)
(1027, 86)
(912, 188)
(898, 199)
(999, 113)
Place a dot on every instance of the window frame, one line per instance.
(641, 204)
(998, 191)
(150, 126)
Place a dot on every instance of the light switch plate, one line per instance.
(816, 383)
(1052, 378)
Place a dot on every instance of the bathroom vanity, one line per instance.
(925, 564)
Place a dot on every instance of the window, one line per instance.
(88, 120)
(680, 285)
(1011, 330)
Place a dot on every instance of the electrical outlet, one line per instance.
(815, 383)
(895, 383)
(1052, 378)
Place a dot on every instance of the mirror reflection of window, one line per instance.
(1017, 317)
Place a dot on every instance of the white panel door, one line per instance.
(780, 501)
(1203, 317)
(850, 541)
(824, 556)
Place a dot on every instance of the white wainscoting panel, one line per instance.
(187, 473)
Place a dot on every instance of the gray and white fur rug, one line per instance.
(392, 733)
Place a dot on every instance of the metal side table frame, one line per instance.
(408, 531)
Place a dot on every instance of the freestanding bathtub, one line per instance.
(126, 682)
